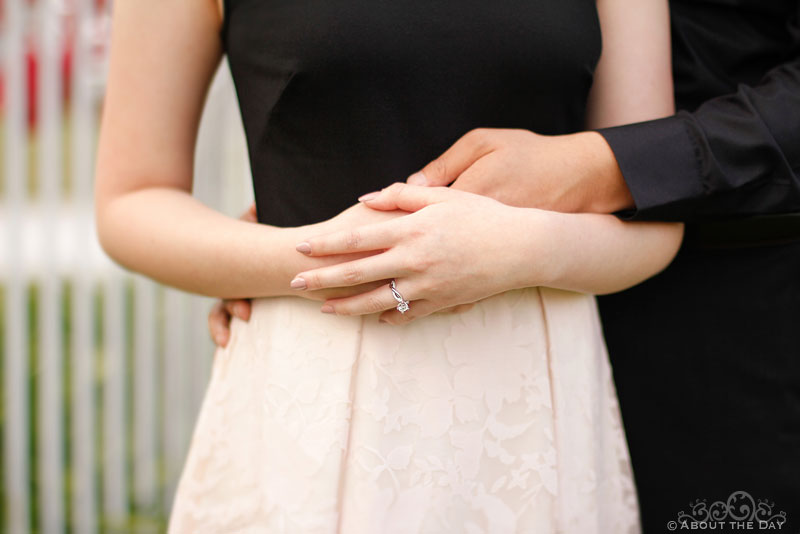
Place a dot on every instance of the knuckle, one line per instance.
(475, 135)
(414, 231)
(479, 138)
(396, 188)
(418, 263)
(218, 317)
(352, 275)
(374, 304)
(352, 240)
(439, 166)
(313, 280)
(341, 310)
(429, 289)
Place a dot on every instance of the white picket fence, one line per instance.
(103, 370)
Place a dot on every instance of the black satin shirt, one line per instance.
(733, 148)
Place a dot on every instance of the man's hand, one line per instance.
(574, 173)
(219, 318)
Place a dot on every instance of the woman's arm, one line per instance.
(459, 247)
(163, 56)
(633, 82)
(633, 79)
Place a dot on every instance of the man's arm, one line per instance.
(736, 155)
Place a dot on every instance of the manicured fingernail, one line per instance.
(368, 196)
(298, 283)
(326, 308)
(417, 179)
(303, 247)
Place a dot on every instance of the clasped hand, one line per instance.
(445, 248)
(454, 248)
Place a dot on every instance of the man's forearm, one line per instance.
(736, 155)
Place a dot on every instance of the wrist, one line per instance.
(535, 262)
(605, 189)
(283, 260)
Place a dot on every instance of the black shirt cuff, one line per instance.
(660, 165)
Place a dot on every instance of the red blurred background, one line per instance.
(68, 29)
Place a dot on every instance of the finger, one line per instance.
(238, 307)
(218, 320)
(375, 236)
(250, 214)
(322, 295)
(467, 150)
(416, 309)
(400, 196)
(351, 273)
(377, 300)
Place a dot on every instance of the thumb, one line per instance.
(455, 160)
(400, 196)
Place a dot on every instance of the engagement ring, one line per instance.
(402, 304)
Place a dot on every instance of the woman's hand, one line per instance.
(457, 248)
(219, 318)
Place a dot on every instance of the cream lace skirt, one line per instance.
(503, 419)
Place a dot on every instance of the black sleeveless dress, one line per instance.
(500, 420)
(342, 98)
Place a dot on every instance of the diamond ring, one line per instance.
(402, 304)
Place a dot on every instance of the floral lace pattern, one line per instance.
(499, 420)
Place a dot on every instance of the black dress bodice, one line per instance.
(342, 98)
